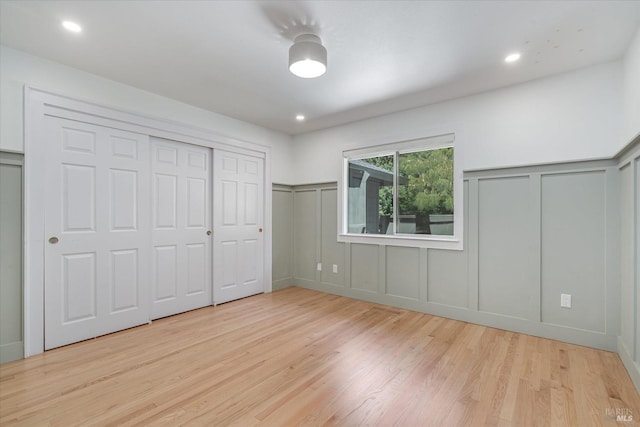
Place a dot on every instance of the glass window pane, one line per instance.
(370, 197)
(425, 192)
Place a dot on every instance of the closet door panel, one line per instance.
(238, 227)
(97, 233)
(181, 221)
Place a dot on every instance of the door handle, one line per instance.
(259, 229)
(53, 240)
(209, 232)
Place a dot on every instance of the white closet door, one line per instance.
(238, 221)
(97, 253)
(181, 223)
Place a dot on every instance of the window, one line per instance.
(370, 194)
(425, 192)
(404, 191)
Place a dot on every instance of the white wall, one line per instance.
(631, 92)
(18, 68)
(568, 117)
(572, 116)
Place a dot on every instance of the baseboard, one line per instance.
(582, 337)
(281, 283)
(12, 351)
(632, 367)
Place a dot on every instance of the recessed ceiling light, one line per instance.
(72, 26)
(299, 117)
(512, 58)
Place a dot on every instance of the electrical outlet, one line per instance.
(335, 268)
(565, 300)
(319, 266)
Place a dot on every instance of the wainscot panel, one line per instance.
(305, 235)
(447, 283)
(364, 267)
(629, 339)
(573, 249)
(332, 252)
(505, 248)
(403, 272)
(11, 333)
(282, 219)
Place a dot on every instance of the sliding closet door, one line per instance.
(129, 229)
(238, 221)
(97, 231)
(181, 222)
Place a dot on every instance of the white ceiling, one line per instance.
(383, 56)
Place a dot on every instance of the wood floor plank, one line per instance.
(299, 357)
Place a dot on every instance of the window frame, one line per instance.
(431, 142)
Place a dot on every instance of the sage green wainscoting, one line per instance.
(531, 234)
(629, 339)
(11, 333)
(282, 236)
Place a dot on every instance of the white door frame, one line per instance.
(40, 103)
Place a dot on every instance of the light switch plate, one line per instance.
(565, 300)
(335, 268)
(319, 266)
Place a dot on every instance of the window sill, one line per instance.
(435, 242)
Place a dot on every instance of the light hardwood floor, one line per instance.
(299, 357)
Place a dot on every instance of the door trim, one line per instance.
(38, 105)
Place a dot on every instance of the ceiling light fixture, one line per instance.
(307, 57)
(299, 117)
(72, 26)
(512, 58)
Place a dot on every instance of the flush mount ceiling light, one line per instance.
(72, 26)
(300, 117)
(307, 57)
